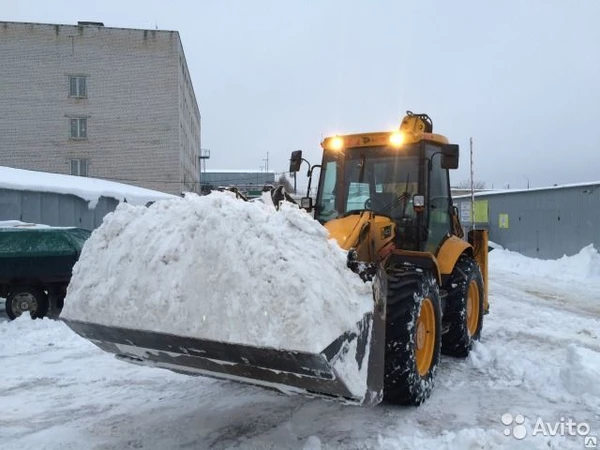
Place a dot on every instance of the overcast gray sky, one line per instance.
(521, 77)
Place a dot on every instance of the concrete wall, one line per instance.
(135, 105)
(48, 208)
(542, 223)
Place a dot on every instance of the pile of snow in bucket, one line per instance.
(218, 268)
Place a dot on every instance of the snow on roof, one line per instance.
(26, 225)
(518, 191)
(89, 189)
(237, 171)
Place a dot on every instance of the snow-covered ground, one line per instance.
(539, 357)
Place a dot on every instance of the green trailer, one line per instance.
(35, 267)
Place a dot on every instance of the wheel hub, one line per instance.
(425, 337)
(473, 308)
(24, 302)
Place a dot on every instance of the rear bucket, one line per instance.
(350, 369)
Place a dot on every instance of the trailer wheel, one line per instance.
(22, 299)
(413, 336)
(464, 311)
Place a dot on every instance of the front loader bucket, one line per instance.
(335, 372)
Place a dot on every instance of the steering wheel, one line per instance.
(367, 204)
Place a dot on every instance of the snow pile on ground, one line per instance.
(582, 372)
(584, 265)
(89, 189)
(218, 268)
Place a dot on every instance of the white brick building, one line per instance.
(112, 103)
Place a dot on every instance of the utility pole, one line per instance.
(204, 155)
(266, 160)
(472, 186)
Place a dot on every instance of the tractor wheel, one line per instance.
(464, 311)
(413, 336)
(22, 299)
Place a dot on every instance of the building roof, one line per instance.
(86, 24)
(519, 191)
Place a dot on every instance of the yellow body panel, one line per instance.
(346, 230)
(365, 232)
(449, 253)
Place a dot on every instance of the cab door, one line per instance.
(439, 203)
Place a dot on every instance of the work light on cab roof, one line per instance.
(413, 128)
(396, 139)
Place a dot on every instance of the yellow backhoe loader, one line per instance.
(385, 198)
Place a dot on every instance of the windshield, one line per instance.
(369, 178)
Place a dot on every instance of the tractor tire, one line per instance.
(413, 336)
(464, 309)
(23, 299)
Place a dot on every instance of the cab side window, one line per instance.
(327, 208)
(439, 201)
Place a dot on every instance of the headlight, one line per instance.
(396, 139)
(337, 143)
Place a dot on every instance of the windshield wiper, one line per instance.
(403, 197)
(406, 194)
(361, 175)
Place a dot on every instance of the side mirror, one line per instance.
(450, 156)
(306, 203)
(295, 161)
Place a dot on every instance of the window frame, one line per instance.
(79, 136)
(78, 81)
(82, 167)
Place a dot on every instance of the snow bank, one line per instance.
(218, 268)
(582, 266)
(89, 189)
(581, 371)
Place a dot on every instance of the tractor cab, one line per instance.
(401, 176)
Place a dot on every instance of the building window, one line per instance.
(79, 167)
(78, 128)
(77, 87)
